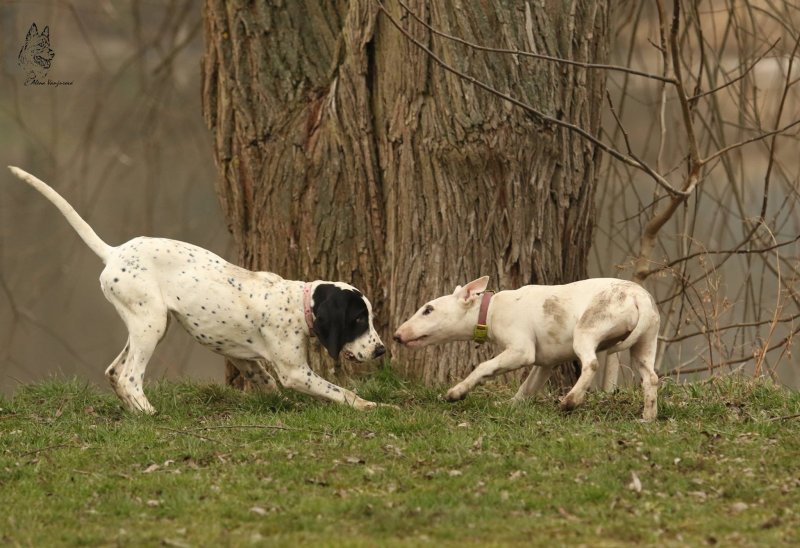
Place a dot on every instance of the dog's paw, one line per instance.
(363, 405)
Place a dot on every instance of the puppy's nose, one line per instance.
(380, 350)
(398, 338)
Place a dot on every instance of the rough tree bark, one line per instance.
(345, 153)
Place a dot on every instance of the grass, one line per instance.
(220, 467)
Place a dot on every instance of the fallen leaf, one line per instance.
(355, 460)
(635, 484)
(516, 474)
(174, 542)
(152, 503)
(454, 473)
(151, 468)
(566, 514)
(739, 507)
(393, 450)
(258, 510)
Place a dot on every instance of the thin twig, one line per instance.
(261, 426)
(694, 98)
(187, 433)
(785, 417)
(760, 137)
(48, 448)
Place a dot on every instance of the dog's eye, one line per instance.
(427, 310)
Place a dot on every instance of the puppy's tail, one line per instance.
(648, 320)
(83, 229)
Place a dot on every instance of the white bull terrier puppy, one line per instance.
(545, 325)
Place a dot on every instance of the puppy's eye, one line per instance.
(427, 310)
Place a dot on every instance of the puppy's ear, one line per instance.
(472, 289)
(33, 31)
(329, 323)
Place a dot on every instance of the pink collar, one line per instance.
(307, 308)
(481, 331)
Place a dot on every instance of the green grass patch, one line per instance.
(220, 467)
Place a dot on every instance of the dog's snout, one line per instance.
(398, 338)
(380, 350)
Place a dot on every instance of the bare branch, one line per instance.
(536, 113)
(521, 53)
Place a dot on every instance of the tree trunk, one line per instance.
(345, 153)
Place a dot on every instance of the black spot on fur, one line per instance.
(340, 317)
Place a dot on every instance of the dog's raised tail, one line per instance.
(83, 229)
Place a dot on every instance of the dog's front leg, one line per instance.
(303, 379)
(507, 360)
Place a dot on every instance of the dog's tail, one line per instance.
(83, 229)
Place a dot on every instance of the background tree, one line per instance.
(346, 153)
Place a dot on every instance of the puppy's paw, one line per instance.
(568, 403)
(455, 394)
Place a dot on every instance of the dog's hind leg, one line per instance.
(533, 383)
(116, 369)
(143, 340)
(145, 330)
(256, 374)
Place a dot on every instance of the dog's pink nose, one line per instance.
(398, 338)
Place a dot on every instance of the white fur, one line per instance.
(546, 326)
(253, 318)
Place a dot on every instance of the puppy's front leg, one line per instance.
(508, 360)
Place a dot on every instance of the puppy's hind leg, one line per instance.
(536, 379)
(643, 355)
(256, 374)
(585, 349)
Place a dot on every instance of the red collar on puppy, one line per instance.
(481, 331)
(307, 308)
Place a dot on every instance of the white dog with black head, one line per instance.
(545, 326)
(252, 318)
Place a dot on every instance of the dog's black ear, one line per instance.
(337, 316)
(328, 326)
(46, 32)
(33, 31)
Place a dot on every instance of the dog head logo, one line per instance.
(35, 57)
